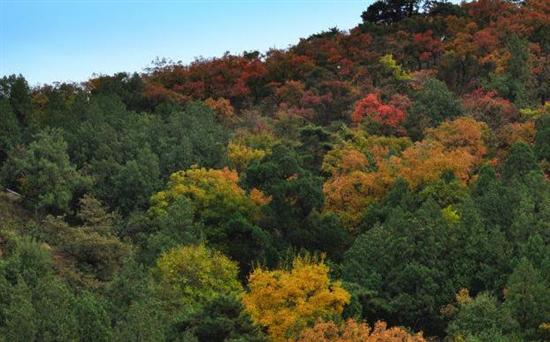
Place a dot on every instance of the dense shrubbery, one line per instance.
(387, 183)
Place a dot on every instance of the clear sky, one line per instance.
(68, 40)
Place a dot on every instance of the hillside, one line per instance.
(386, 183)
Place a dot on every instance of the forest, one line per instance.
(386, 183)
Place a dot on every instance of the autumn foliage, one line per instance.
(352, 331)
(285, 302)
(385, 114)
(345, 188)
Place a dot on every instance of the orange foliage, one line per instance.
(348, 195)
(462, 133)
(287, 301)
(456, 146)
(425, 161)
(488, 107)
(352, 331)
(222, 107)
(517, 132)
(386, 114)
(227, 77)
(427, 46)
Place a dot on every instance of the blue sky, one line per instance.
(62, 40)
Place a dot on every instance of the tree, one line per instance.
(432, 104)
(215, 194)
(189, 277)
(54, 305)
(352, 331)
(136, 181)
(490, 108)
(462, 133)
(285, 302)
(91, 250)
(20, 316)
(240, 156)
(315, 142)
(16, 89)
(93, 321)
(294, 191)
(542, 138)
(384, 114)
(43, 173)
(513, 84)
(10, 130)
(520, 161)
(192, 137)
(227, 214)
(527, 296)
(481, 319)
(172, 228)
(390, 11)
(400, 269)
(221, 320)
(144, 321)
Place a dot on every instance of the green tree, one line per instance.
(144, 322)
(136, 181)
(192, 136)
(93, 320)
(17, 90)
(44, 174)
(54, 305)
(10, 130)
(173, 227)
(481, 319)
(527, 297)
(92, 248)
(190, 276)
(520, 161)
(432, 105)
(295, 192)
(20, 317)
(542, 138)
(514, 83)
(222, 320)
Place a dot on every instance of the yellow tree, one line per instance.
(356, 181)
(349, 194)
(285, 302)
(462, 133)
(213, 193)
(240, 156)
(427, 160)
(190, 276)
(352, 331)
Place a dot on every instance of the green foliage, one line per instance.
(520, 161)
(481, 319)
(528, 298)
(193, 136)
(391, 65)
(10, 130)
(136, 181)
(92, 317)
(20, 320)
(542, 138)
(294, 191)
(433, 104)
(189, 277)
(144, 321)
(91, 250)
(222, 320)
(43, 173)
(261, 163)
(54, 305)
